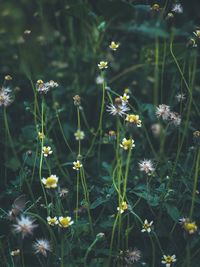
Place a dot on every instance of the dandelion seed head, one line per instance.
(146, 166)
(24, 225)
(163, 111)
(41, 246)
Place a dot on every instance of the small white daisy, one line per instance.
(147, 227)
(46, 150)
(168, 260)
(79, 135)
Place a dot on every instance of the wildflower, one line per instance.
(41, 246)
(8, 78)
(114, 46)
(133, 119)
(127, 143)
(180, 97)
(43, 87)
(177, 8)
(122, 207)
(103, 65)
(65, 222)
(46, 150)
(24, 225)
(146, 166)
(189, 226)
(63, 192)
(156, 7)
(79, 135)
(112, 135)
(77, 165)
(175, 118)
(100, 236)
(41, 135)
(132, 256)
(197, 33)
(119, 108)
(163, 111)
(77, 100)
(147, 227)
(52, 220)
(5, 97)
(14, 253)
(170, 15)
(127, 90)
(50, 182)
(125, 98)
(99, 80)
(168, 260)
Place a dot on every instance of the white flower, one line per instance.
(103, 65)
(123, 206)
(52, 220)
(41, 246)
(125, 98)
(46, 150)
(168, 260)
(175, 118)
(43, 88)
(180, 97)
(24, 225)
(114, 46)
(127, 144)
(65, 222)
(77, 165)
(162, 111)
(117, 109)
(79, 135)
(51, 181)
(177, 8)
(147, 226)
(146, 166)
(5, 97)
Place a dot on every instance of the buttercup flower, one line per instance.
(125, 98)
(168, 260)
(146, 166)
(163, 111)
(123, 206)
(14, 253)
(41, 246)
(79, 135)
(77, 165)
(114, 46)
(52, 220)
(50, 182)
(24, 225)
(133, 119)
(127, 143)
(46, 150)
(65, 222)
(147, 227)
(103, 65)
(189, 226)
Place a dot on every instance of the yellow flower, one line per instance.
(65, 221)
(134, 119)
(41, 135)
(46, 150)
(123, 206)
(155, 7)
(50, 182)
(103, 65)
(125, 98)
(114, 46)
(189, 226)
(77, 165)
(52, 220)
(127, 143)
(39, 82)
(8, 78)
